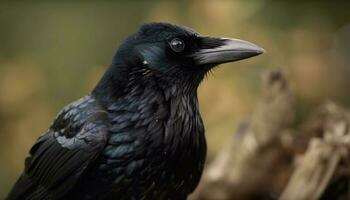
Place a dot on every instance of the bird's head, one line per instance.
(174, 54)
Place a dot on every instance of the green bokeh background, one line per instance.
(52, 53)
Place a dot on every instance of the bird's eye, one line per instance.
(177, 45)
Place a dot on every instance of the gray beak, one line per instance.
(222, 50)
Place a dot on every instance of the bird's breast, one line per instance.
(156, 144)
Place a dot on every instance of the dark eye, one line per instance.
(177, 45)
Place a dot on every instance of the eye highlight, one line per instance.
(177, 45)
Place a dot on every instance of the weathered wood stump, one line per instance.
(268, 159)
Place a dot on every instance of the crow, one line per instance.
(139, 133)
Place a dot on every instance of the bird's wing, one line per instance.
(60, 156)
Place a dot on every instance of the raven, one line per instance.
(139, 133)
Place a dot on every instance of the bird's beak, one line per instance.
(213, 51)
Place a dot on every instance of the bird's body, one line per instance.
(161, 139)
(138, 135)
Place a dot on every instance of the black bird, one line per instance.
(139, 133)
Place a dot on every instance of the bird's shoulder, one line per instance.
(81, 124)
(61, 156)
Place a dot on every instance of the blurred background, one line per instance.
(52, 53)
